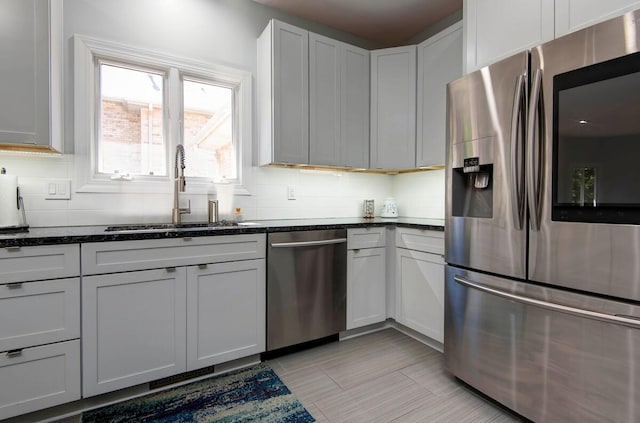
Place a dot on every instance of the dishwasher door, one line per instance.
(306, 286)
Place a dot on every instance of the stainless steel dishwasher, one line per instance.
(306, 286)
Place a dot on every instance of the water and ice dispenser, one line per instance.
(472, 179)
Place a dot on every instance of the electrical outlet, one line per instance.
(58, 189)
(291, 192)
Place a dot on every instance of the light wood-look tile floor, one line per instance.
(385, 376)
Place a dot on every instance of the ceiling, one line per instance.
(387, 22)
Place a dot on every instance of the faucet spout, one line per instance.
(179, 185)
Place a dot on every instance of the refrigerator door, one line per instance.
(548, 354)
(595, 256)
(485, 217)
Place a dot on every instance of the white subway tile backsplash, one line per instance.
(319, 194)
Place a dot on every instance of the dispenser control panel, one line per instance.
(471, 165)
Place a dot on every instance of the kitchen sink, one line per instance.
(169, 226)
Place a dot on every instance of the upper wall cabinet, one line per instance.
(31, 75)
(495, 29)
(393, 108)
(338, 103)
(283, 94)
(439, 62)
(572, 15)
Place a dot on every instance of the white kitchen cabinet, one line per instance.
(355, 107)
(140, 320)
(338, 103)
(31, 75)
(393, 108)
(366, 276)
(496, 29)
(283, 94)
(439, 62)
(572, 15)
(38, 313)
(30, 263)
(420, 281)
(366, 287)
(134, 328)
(39, 377)
(225, 312)
(324, 100)
(39, 327)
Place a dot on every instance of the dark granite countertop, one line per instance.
(77, 234)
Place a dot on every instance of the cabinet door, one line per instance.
(572, 15)
(439, 62)
(355, 107)
(496, 29)
(29, 73)
(324, 101)
(290, 94)
(133, 328)
(225, 312)
(39, 377)
(366, 287)
(37, 313)
(420, 292)
(393, 108)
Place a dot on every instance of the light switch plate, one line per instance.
(57, 189)
(291, 192)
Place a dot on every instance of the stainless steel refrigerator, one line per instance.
(542, 298)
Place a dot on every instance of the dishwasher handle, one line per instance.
(308, 243)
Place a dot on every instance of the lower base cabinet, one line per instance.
(366, 287)
(39, 377)
(146, 325)
(134, 328)
(225, 312)
(420, 292)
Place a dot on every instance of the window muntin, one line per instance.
(209, 135)
(131, 127)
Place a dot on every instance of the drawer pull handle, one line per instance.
(171, 269)
(14, 353)
(14, 285)
(13, 248)
(187, 238)
(203, 266)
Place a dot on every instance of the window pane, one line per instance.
(208, 130)
(131, 136)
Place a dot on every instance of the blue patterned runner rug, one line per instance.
(255, 394)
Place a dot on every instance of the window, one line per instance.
(207, 114)
(131, 121)
(133, 107)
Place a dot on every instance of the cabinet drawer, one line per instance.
(21, 264)
(420, 240)
(39, 377)
(111, 257)
(371, 237)
(37, 313)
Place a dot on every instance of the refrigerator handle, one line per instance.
(517, 136)
(629, 321)
(533, 150)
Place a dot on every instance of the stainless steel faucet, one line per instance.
(178, 186)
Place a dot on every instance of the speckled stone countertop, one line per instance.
(76, 234)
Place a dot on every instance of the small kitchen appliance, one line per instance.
(389, 208)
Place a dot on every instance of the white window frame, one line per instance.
(86, 52)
